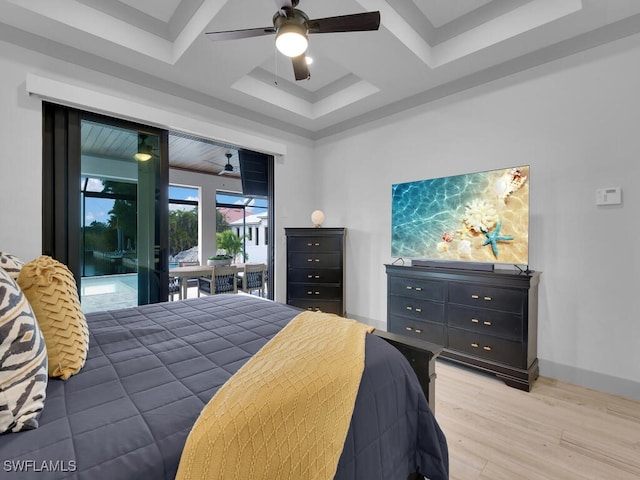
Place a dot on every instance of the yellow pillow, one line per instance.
(51, 290)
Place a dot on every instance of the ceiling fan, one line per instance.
(228, 168)
(292, 27)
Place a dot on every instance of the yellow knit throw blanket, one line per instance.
(285, 414)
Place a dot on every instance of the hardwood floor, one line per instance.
(556, 431)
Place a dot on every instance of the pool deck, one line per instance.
(110, 292)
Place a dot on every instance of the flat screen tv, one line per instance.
(478, 217)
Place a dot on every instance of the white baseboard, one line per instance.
(586, 378)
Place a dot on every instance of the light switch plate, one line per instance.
(609, 196)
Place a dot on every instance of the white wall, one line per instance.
(21, 146)
(576, 122)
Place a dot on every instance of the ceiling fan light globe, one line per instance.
(291, 40)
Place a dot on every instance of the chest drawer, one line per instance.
(314, 275)
(315, 260)
(324, 292)
(416, 287)
(488, 322)
(314, 244)
(416, 308)
(486, 346)
(430, 332)
(318, 305)
(494, 298)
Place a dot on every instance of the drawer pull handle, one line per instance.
(309, 259)
(488, 299)
(418, 289)
(309, 276)
(317, 293)
(316, 276)
(487, 348)
(409, 307)
(408, 329)
(317, 244)
(409, 287)
(419, 310)
(309, 244)
(488, 324)
(309, 292)
(475, 297)
(475, 345)
(418, 330)
(475, 320)
(317, 260)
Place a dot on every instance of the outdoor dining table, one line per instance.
(189, 271)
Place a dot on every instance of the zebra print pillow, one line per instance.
(11, 264)
(23, 360)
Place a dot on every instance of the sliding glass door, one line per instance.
(107, 217)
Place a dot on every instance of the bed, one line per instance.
(151, 369)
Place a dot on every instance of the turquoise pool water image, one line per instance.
(471, 217)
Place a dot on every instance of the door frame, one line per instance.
(61, 172)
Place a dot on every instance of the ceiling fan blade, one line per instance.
(236, 34)
(300, 67)
(357, 22)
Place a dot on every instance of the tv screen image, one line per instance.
(474, 217)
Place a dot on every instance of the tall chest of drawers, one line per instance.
(485, 320)
(315, 269)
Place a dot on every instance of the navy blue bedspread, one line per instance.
(150, 370)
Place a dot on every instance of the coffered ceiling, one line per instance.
(424, 49)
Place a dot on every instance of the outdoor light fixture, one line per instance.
(291, 39)
(144, 151)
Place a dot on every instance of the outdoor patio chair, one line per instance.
(223, 280)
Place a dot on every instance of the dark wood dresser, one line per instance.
(315, 269)
(485, 320)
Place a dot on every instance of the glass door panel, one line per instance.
(121, 205)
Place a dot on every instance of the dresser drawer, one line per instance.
(494, 298)
(416, 308)
(317, 305)
(487, 347)
(315, 260)
(416, 287)
(307, 291)
(490, 322)
(314, 244)
(314, 275)
(430, 332)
